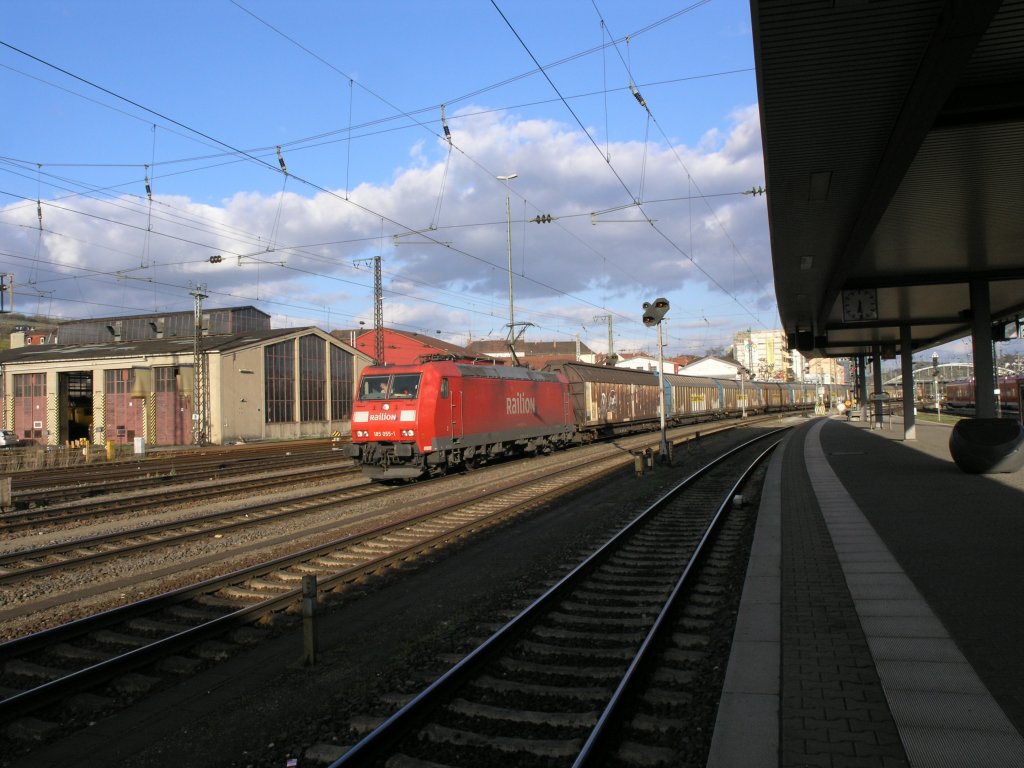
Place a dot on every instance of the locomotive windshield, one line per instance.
(405, 385)
(373, 388)
(401, 385)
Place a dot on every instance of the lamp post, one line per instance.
(654, 312)
(508, 222)
(749, 367)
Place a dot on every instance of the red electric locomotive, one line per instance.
(413, 421)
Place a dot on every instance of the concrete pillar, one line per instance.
(981, 336)
(876, 369)
(862, 385)
(907, 369)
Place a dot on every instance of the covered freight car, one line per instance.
(411, 421)
(693, 397)
(610, 401)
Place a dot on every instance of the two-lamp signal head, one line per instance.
(654, 311)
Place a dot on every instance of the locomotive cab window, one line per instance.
(374, 388)
(405, 385)
(444, 389)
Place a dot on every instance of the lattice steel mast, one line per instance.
(612, 358)
(378, 310)
(201, 385)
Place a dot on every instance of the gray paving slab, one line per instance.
(959, 537)
(952, 681)
(868, 673)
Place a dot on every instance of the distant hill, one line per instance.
(12, 320)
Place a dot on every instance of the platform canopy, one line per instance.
(893, 138)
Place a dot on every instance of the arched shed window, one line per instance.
(279, 381)
(312, 378)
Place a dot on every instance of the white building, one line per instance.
(643, 362)
(713, 367)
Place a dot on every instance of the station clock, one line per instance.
(860, 304)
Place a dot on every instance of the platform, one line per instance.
(882, 621)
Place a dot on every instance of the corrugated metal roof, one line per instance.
(180, 346)
(601, 373)
(533, 348)
(422, 338)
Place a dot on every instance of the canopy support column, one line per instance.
(907, 370)
(876, 380)
(862, 386)
(981, 336)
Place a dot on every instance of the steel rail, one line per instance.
(27, 480)
(254, 515)
(26, 701)
(46, 498)
(90, 509)
(407, 717)
(592, 753)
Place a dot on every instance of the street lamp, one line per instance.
(654, 312)
(749, 367)
(508, 222)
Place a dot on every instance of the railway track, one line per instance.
(116, 656)
(18, 566)
(169, 494)
(601, 666)
(44, 488)
(50, 575)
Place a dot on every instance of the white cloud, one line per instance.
(708, 254)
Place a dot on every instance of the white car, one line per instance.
(8, 439)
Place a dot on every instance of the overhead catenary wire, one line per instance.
(39, 217)
(304, 249)
(668, 142)
(542, 70)
(435, 221)
(664, 236)
(457, 297)
(651, 118)
(312, 255)
(436, 218)
(195, 242)
(297, 144)
(348, 147)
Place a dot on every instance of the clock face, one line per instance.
(860, 304)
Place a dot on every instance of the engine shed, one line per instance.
(259, 384)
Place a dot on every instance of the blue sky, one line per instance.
(195, 98)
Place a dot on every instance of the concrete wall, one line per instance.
(236, 396)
